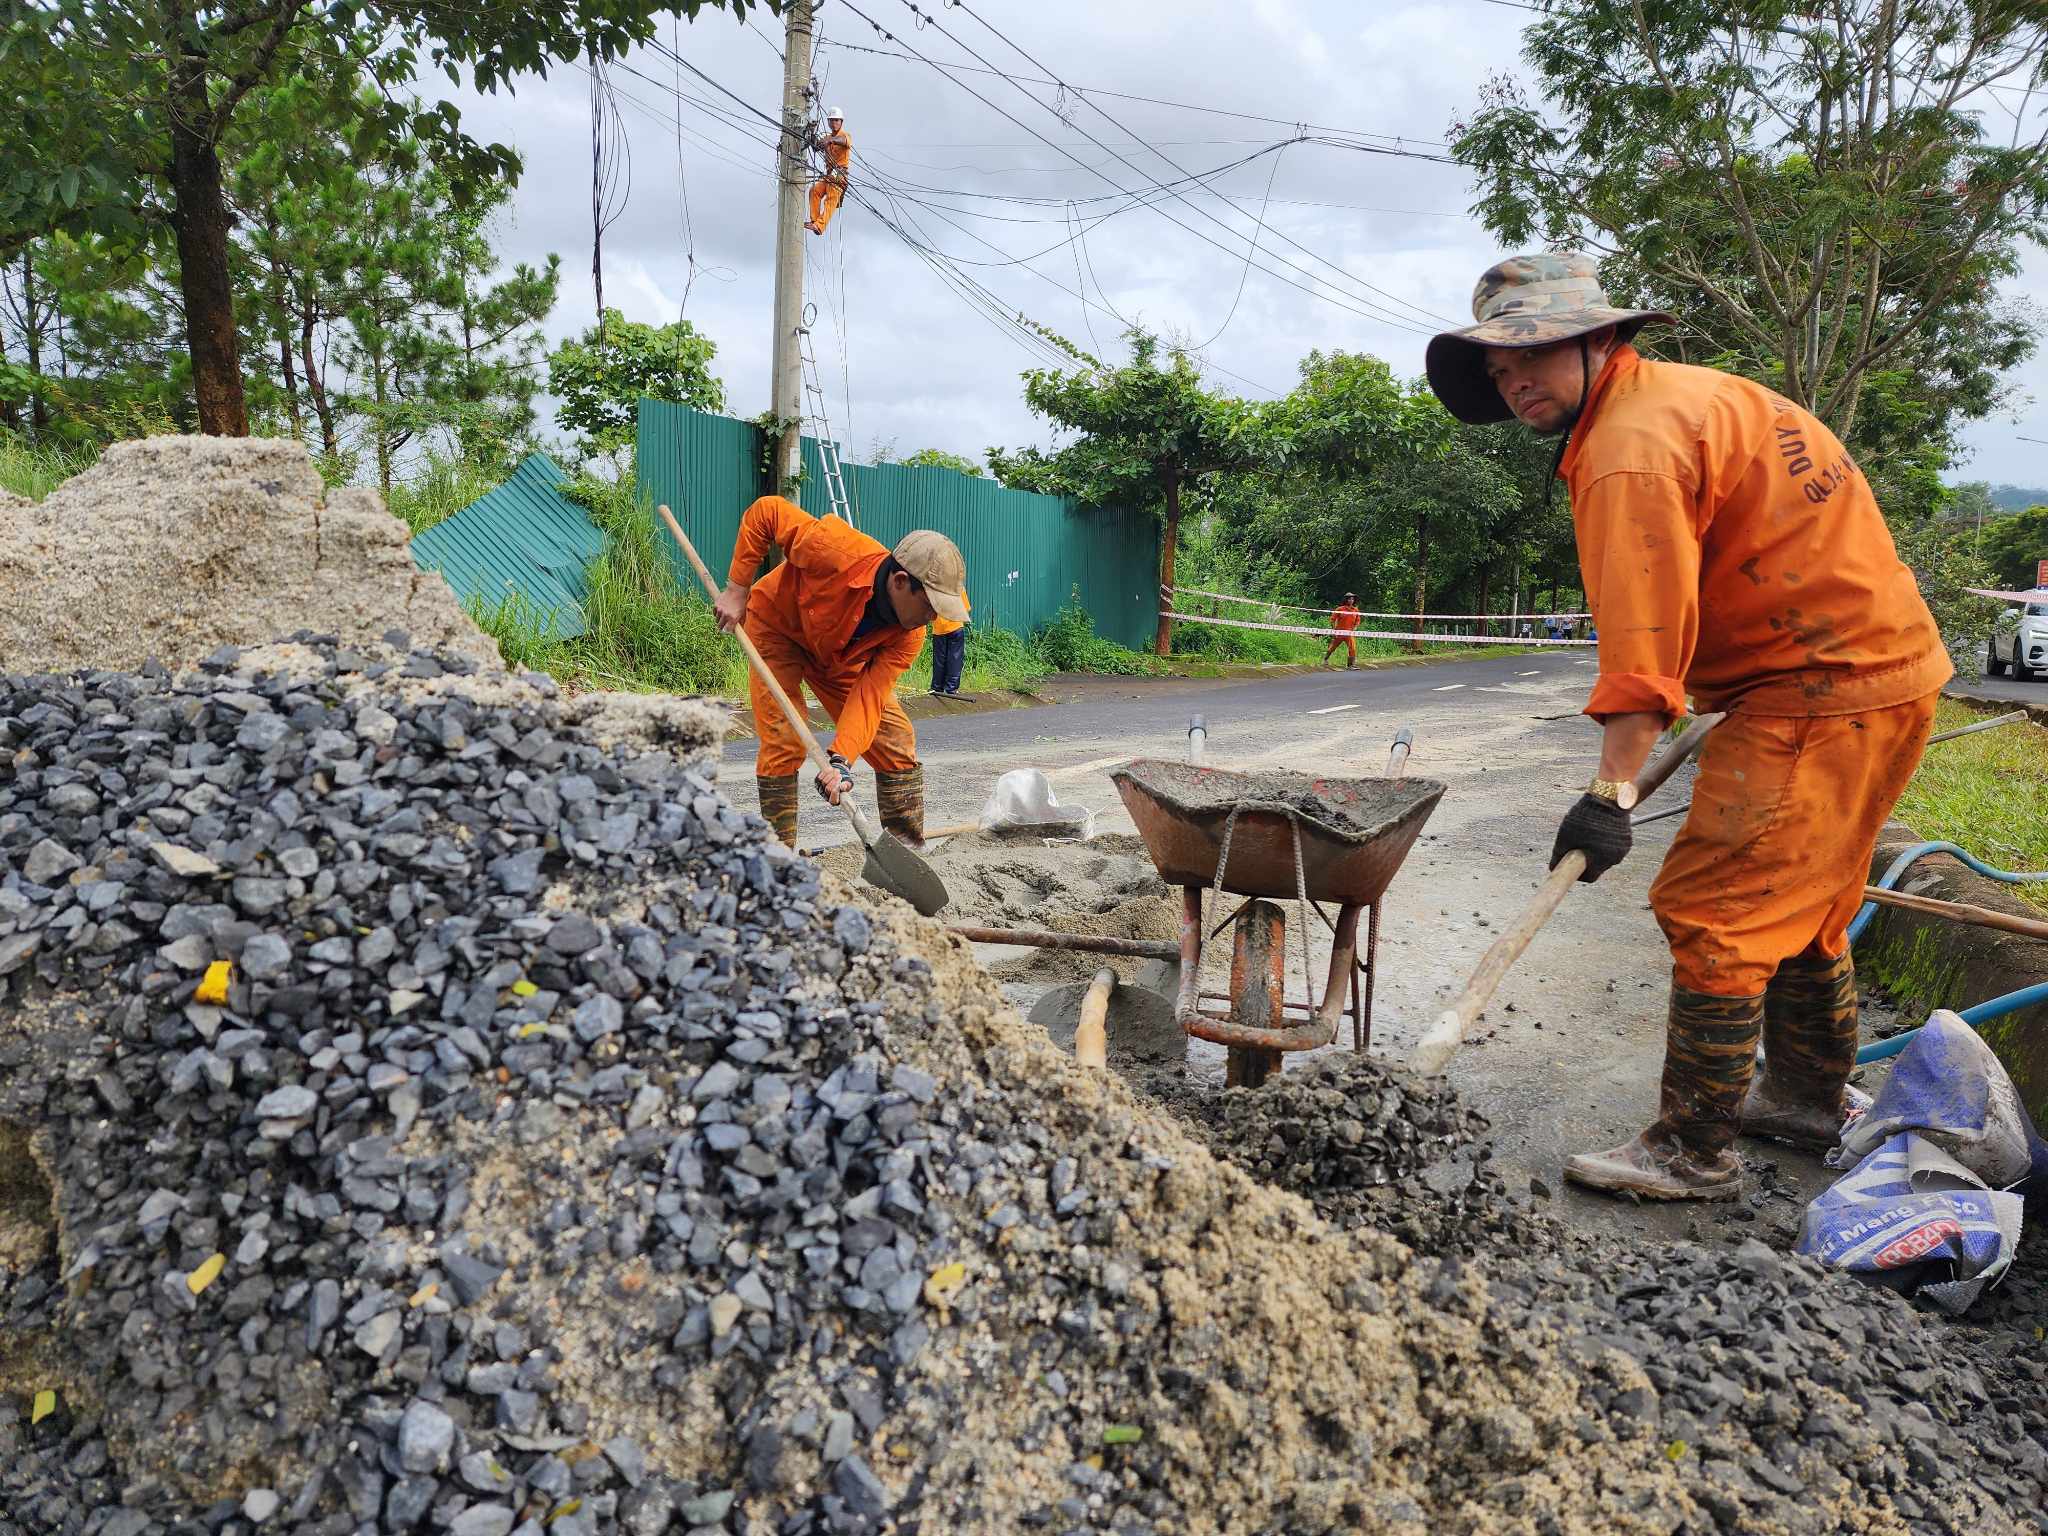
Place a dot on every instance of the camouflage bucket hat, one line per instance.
(1525, 301)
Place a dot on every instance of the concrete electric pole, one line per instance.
(793, 176)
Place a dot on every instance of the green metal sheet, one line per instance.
(1026, 554)
(525, 537)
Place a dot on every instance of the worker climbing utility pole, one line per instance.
(792, 180)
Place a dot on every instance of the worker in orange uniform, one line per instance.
(845, 616)
(949, 651)
(829, 188)
(1343, 621)
(1730, 549)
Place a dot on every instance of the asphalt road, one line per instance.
(2001, 689)
(1262, 719)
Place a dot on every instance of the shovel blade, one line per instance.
(892, 866)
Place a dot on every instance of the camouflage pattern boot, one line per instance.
(778, 805)
(899, 802)
(1800, 1096)
(1709, 1054)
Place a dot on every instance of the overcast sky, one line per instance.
(1384, 247)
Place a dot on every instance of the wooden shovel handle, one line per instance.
(790, 712)
(1091, 1034)
(1441, 1041)
(1958, 911)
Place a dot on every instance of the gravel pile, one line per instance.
(561, 1157)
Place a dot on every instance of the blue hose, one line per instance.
(1997, 1007)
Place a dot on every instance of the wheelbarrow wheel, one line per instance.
(1247, 1068)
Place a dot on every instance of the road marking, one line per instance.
(1333, 709)
(1528, 674)
(1447, 687)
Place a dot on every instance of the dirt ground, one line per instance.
(1568, 1057)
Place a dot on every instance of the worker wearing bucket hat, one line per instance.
(1730, 550)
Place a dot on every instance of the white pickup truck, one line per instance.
(2020, 642)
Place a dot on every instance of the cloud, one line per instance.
(1382, 243)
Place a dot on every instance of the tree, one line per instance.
(601, 376)
(1812, 184)
(1149, 432)
(2014, 548)
(115, 112)
(938, 458)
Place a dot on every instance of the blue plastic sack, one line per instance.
(1931, 1205)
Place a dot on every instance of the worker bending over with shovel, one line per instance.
(829, 188)
(1343, 621)
(1729, 548)
(845, 616)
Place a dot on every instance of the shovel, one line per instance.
(891, 864)
(1441, 1040)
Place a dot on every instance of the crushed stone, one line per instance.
(652, 1184)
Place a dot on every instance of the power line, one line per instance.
(1137, 139)
(1385, 317)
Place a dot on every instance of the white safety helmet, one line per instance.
(835, 116)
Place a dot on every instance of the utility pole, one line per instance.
(786, 372)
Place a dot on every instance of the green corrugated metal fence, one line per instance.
(1026, 554)
(524, 537)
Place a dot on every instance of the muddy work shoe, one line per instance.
(1658, 1170)
(1772, 1112)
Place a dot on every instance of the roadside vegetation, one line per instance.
(1987, 793)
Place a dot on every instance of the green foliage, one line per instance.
(1946, 559)
(601, 376)
(439, 488)
(2014, 547)
(1987, 793)
(1068, 643)
(938, 458)
(33, 469)
(1815, 186)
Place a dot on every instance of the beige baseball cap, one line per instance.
(936, 562)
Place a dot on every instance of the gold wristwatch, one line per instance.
(1623, 794)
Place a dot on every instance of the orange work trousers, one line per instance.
(780, 753)
(826, 192)
(1350, 650)
(1776, 851)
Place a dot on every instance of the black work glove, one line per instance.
(839, 765)
(1597, 828)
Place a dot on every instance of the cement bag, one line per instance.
(1948, 1086)
(1023, 801)
(1912, 1218)
(1926, 1208)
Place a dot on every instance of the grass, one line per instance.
(1987, 793)
(443, 488)
(32, 469)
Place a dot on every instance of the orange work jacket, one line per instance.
(815, 599)
(947, 626)
(838, 149)
(1731, 549)
(1344, 619)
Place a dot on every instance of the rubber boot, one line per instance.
(1800, 1096)
(778, 804)
(1709, 1053)
(899, 802)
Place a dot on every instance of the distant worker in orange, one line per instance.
(1730, 549)
(949, 652)
(845, 616)
(1344, 620)
(829, 188)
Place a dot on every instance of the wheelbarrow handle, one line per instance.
(1441, 1040)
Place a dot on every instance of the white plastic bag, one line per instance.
(1023, 800)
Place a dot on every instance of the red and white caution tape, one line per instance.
(1168, 594)
(1371, 634)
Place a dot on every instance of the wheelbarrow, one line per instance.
(1275, 835)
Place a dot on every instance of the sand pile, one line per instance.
(172, 546)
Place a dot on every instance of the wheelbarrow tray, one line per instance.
(1354, 832)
